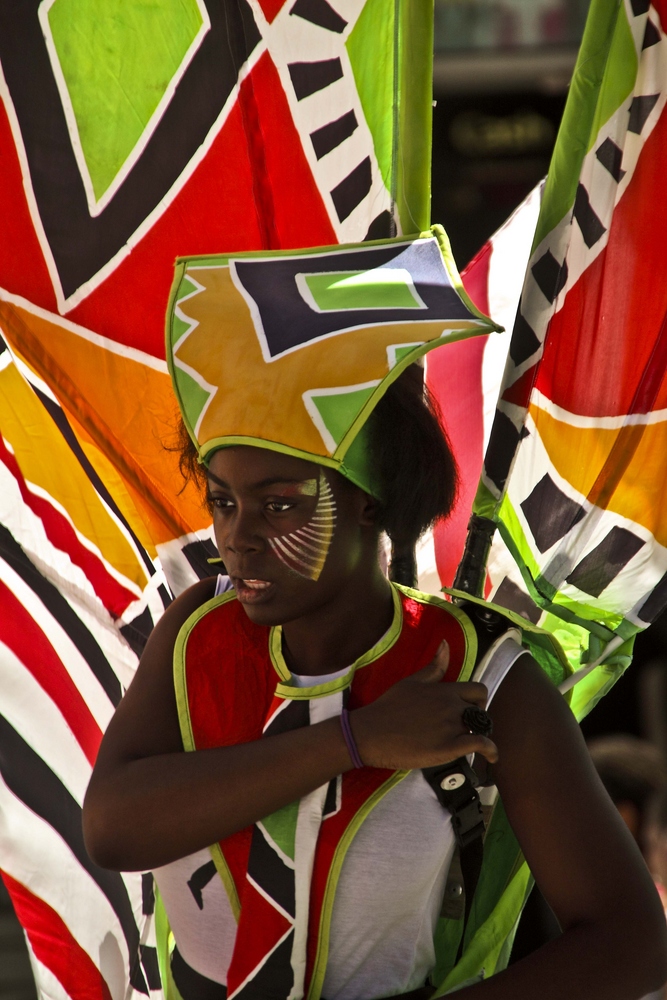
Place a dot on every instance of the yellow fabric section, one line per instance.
(127, 410)
(226, 331)
(47, 461)
(633, 460)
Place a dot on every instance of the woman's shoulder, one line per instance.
(182, 608)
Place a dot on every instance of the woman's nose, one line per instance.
(242, 533)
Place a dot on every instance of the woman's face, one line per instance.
(290, 533)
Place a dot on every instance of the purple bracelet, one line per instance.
(349, 738)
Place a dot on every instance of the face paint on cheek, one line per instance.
(305, 550)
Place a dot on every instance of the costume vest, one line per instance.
(280, 875)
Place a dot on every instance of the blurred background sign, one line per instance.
(500, 77)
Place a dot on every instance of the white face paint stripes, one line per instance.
(305, 550)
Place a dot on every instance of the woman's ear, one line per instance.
(369, 510)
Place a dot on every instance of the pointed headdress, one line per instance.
(291, 350)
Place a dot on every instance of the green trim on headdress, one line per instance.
(292, 350)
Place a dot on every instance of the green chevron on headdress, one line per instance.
(335, 410)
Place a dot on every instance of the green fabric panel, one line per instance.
(380, 288)
(339, 410)
(401, 352)
(501, 894)
(281, 827)
(118, 59)
(604, 76)
(370, 47)
(413, 166)
(193, 397)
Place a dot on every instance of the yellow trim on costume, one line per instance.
(322, 954)
(185, 724)
(286, 689)
(469, 633)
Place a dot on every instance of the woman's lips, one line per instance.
(250, 591)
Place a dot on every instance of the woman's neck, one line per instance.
(334, 636)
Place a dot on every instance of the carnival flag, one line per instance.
(493, 280)
(575, 471)
(132, 133)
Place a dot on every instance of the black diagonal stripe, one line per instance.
(330, 136)
(59, 418)
(275, 979)
(508, 595)
(81, 244)
(550, 275)
(137, 631)
(270, 872)
(381, 228)
(591, 228)
(295, 715)
(651, 35)
(524, 341)
(198, 553)
(502, 446)
(309, 77)
(655, 603)
(611, 156)
(199, 880)
(35, 784)
(640, 109)
(597, 570)
(147, 894)
(640, 6)
(331, 801)
(352, 189)
(151, 966)
(192, 985)
(321, 13)
(550, 513)
(57, 606)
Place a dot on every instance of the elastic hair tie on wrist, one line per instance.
(349, 738)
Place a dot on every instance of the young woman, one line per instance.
(150, 805)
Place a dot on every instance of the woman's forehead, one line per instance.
(247, 466)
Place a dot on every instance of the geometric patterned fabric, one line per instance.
(293, 350)
(575, 471)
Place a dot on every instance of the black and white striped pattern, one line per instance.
(327, 112)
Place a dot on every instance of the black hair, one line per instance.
(412, 466)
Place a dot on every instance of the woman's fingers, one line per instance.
(469, 743)
(437, 668)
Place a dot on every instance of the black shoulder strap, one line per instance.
(455, 783)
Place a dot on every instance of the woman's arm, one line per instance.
(149, 802)
(614, 942)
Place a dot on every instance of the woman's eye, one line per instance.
(220, 503)
(279, 506)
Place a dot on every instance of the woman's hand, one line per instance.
(418, 722)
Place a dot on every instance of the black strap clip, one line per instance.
(455, 785)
